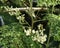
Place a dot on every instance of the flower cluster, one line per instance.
(39, 38)
(36, 35)
(28, 32)
(16, 12)
(21, 18)
(11, 11)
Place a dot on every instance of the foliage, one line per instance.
(54, 21)
(12, 36)
(47, 2)
(7, 18)
(9, 36)
(18, 33)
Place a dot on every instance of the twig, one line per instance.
(38, 21)
(27, 8)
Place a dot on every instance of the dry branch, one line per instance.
(33, 8)
(27, 8)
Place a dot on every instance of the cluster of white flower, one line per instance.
(28, 32)
(16, 12)
(39, 38)
(40, 28)
(37, 35)
(6, 8)
(12, 11)
(21, 18)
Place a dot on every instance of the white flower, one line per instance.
(39, 26)
(38, 40)
(34, 38)
(41, 32)
(28, 32)
(43, 29)
(25, 30)
(29, 29)
(33, 31)
(43, 38)
(21, 18)
(18, 18)
(11, 13)
(37, 32)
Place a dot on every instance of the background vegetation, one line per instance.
(12, 34)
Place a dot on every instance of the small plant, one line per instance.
(32, 33)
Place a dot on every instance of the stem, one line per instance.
(27, 8)
(27, 23)
(38, 21)
(47, 45)
(24, 23)
(31, 11)
(52, 9)
(59, 45)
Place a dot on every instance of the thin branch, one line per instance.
(38, 21)
(27, 8)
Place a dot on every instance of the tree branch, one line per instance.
(27, 8)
